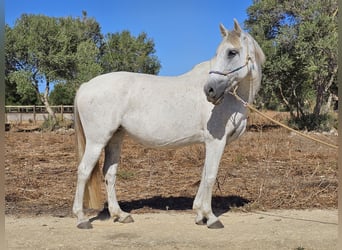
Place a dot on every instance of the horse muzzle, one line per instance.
(212, 95)
(215, 91)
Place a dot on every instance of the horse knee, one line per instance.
(210, 181)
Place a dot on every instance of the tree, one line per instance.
(124, 52)
(87, 67)
(23, 87)
(62, 94)
(299, 39)
(119, 52)
(87, 62)
(36, 54)
(43, 50)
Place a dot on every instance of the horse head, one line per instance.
(238, 58)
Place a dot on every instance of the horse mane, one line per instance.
(259, 54)
(248, 89)
(260, 58)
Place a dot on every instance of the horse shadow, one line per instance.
(220, 205)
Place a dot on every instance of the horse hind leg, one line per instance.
(91, 155)
(112, 158)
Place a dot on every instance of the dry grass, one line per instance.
(270, 168)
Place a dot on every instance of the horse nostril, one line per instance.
(211, 92)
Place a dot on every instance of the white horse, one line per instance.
(166, 112)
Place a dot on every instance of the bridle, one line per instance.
(231, 71)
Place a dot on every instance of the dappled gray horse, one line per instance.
(165, 112)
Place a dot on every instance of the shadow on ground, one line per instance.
(220, 204)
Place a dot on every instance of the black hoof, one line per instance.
(202, 222)
(216, 225)
(85, 225)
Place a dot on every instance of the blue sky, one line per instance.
(185, 32)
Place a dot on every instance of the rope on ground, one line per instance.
(279, 123)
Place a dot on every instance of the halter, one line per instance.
(248, 58)
(232, 71)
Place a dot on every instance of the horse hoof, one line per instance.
(216, 225)
(127, 219)
(202, 222)
(85, 225)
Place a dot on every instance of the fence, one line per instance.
(34, 114)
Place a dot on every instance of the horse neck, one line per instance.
(199, 72)
(202, 68)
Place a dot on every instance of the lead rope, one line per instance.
(246, 104)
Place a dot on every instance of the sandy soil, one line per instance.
(275, 229)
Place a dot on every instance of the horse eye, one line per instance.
(232, 53)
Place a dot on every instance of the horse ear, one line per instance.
(237, 27)
(224, 31)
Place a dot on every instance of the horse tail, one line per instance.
(92, 192)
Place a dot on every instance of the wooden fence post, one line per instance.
(34, 114)
(62, 108)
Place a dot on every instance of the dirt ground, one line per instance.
(267, 169)
(275, 229)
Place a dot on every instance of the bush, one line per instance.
(50, 124)
(311, 122)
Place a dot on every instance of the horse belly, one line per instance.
(153, 141)
(163, 129)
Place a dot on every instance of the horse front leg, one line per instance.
(202, 202)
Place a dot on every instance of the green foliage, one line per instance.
(41, 51)
(299, 39)
(25, 91)
(87, 59)
(324, 122)
(124, 52)
(63, 94)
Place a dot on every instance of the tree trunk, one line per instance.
(327, 106)
(45, 97)
(319, 100)
(287, 103)
(320, 107)
(45, 100)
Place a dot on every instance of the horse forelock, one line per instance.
(234, 38)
